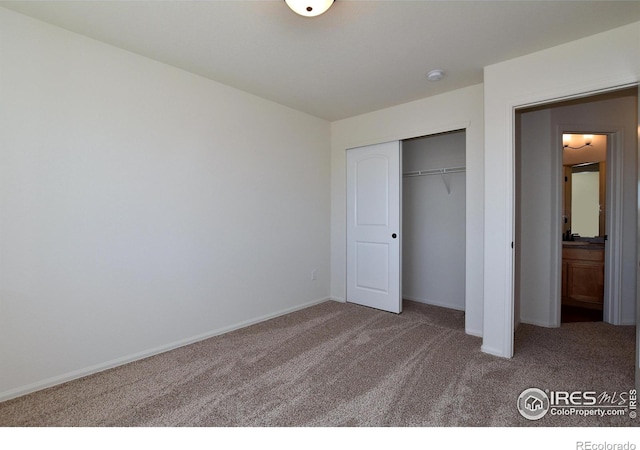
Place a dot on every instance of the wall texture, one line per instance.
(143, 207)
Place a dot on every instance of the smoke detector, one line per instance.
(435, 75)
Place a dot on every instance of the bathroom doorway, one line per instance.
(584, 226)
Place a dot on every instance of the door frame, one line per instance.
(613, 221)
(500, 205)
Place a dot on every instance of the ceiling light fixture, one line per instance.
(435, 75)
(309, 8)
(566, 140)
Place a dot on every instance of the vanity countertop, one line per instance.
(583, 244)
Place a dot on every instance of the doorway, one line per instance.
(584, 221)
(540, 215)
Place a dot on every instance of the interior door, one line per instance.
(373, 226)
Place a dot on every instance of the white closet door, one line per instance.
(373, 226)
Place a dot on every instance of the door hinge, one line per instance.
(511, 244)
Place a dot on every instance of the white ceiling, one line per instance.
(358, 57)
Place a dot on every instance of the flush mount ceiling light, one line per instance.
(309, 8)
(435, 75)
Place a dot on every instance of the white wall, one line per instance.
(452, 111)
(526, 81)
(433, 221)
(143, 207)
(534, 240)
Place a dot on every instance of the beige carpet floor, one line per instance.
(340, 364)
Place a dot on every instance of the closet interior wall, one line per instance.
(433, 219)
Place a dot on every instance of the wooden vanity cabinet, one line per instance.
(583, 277)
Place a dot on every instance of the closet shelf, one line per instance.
(444, 171)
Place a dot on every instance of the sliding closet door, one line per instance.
(373, 226)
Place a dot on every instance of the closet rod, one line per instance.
(443, 171)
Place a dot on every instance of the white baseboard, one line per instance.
(538, 323)
(628, 322)
(476, 333)
(433, 303)
(74, 375)
(493, 351)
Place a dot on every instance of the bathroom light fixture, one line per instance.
(309, 8)
(566, 140)
(435, 75)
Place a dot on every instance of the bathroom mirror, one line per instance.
(585, 200)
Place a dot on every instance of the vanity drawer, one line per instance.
(583, 254)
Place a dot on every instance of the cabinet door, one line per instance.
(585, 281)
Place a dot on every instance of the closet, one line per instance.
(433, 219)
